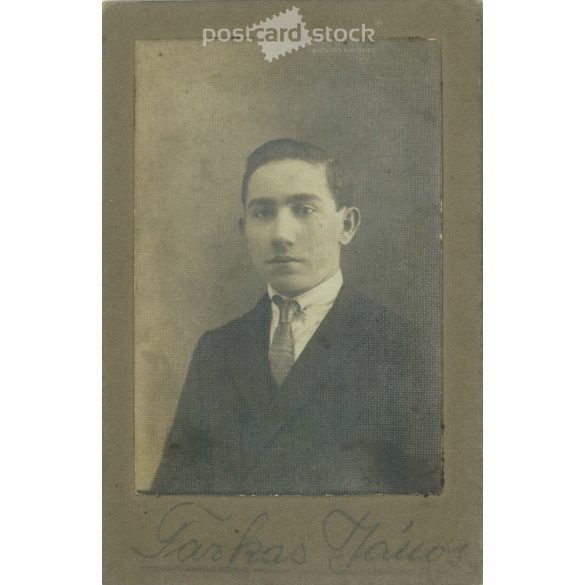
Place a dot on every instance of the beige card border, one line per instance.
(443, 532)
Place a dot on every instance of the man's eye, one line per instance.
(304, 210)
(263, 213)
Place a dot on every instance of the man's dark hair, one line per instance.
(288, 148)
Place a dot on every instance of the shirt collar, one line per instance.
(322, 294)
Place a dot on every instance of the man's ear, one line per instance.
(351, 223)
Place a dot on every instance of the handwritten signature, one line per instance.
(176, 541)
(349, 541)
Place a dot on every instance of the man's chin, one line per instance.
(289, 287)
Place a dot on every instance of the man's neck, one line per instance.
(324, 292)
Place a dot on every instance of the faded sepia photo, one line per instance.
(287, 249)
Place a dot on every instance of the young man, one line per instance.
(317, 390)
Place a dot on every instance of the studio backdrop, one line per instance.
(199, 112)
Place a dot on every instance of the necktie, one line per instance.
(282, 350)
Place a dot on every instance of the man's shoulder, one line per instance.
(235, 328)
(374, 313)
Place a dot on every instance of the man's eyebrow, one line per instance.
(302, 198)
(295, 198)
(261, 201)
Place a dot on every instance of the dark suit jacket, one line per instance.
(357, 413)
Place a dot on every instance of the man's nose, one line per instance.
(284, 229)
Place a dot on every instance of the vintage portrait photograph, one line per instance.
(288, 273)
(292, 214)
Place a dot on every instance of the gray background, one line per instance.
(199, 113)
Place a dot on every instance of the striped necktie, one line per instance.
(282, 349)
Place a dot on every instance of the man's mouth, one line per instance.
(283, 260)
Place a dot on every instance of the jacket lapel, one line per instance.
(318, 366)
(248, 365)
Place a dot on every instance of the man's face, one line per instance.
(292, 227)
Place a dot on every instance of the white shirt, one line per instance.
(315, 304)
